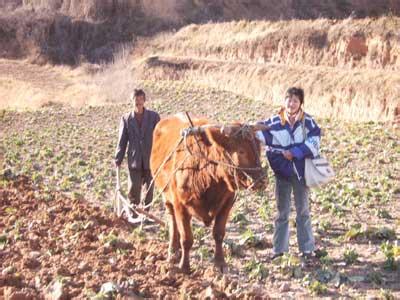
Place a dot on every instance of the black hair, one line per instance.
(296, 92)
(139, 92)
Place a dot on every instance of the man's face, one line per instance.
(292, 104)
(139, 101)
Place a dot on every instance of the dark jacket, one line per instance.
(139, 140)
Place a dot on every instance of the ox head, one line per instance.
(240, 154)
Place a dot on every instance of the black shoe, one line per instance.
(306, 255)
(306, 259)
(320, 253)
(276, 255)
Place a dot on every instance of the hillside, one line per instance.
(349, 68)
(72, 31)
(186, 11)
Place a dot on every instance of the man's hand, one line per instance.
(117, 165)
(287, 154)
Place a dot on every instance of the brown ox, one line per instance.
(200, 178)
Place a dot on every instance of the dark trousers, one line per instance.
(137, 179)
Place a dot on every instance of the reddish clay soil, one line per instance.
(62, 240)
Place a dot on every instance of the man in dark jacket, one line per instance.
(136, 132)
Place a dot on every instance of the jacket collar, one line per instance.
(285, 118)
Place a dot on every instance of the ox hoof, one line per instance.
(174, 257)
(221, 266)
(185, 268)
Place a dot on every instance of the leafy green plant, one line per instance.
(386, 294)
(234, 248)
(139, 234)
(350, 256)
(163, 233)
(111, 239)
(256, 269)
(199, 234)
(391, 252)
(326, 260)
(249, 238)
(204, 252)
(239, 218)
(317, 288)
(370, 232)
(265, 213)
(353, 233)
(324, 225)
(3, 241)
(10, 210)
(289, 265)
(375, 277)
(383, 213)
(381, 233)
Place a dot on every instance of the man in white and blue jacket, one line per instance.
(290, 137)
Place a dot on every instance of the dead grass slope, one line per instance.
(69, 31)
(339, 94)
(29, 86)
(367, 43)
(349, 68)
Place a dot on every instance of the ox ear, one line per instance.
(226, 130)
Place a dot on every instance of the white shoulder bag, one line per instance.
(317, 170)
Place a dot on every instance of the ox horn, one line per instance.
(227, 129)
(257, 127)
(197, 129)
(230, 129)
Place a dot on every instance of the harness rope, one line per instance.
(191, 131)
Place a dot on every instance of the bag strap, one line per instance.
(303, 125)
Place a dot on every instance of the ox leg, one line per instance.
(219, 233)
(173, 249)
(183, 219)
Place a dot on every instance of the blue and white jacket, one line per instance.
(280, 137)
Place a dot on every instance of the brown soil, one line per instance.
(61, 240)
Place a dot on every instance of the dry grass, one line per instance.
(23, 85)
(115, 80)
(231, 63)
(28, 86)
(319, 42)
(339, 94)
(349, 68)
